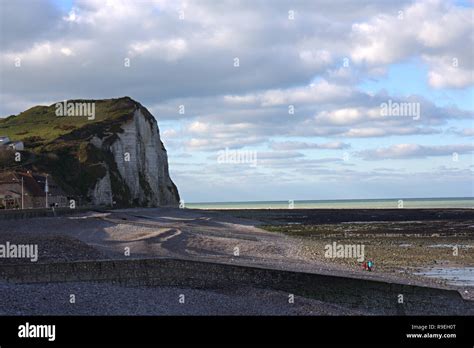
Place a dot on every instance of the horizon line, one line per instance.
(334, 200)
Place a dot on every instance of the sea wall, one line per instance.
(368, 295)
(20, 214)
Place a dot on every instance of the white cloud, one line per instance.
(340, 117)
(433, 29)
(298, 145)
(468, 132)
(403, 151)
(448, 71)
(171, 49)
(321, 91)
(67, 51)
(316, 58)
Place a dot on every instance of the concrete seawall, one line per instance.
(20, 214)
(368, 295)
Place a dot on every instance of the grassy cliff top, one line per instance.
(61, 147)
(39, 125)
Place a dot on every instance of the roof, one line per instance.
(7, 192)
(7, 176)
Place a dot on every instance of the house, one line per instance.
(26, 189)
(9, 198)
(15, 145)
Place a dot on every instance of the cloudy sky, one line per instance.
(301, 84)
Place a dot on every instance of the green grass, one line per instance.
(42, 123)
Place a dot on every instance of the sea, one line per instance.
(451, 202)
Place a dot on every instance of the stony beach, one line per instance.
(400, 242)
(110, 299)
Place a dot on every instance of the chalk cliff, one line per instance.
(140, 162)
(114, 158)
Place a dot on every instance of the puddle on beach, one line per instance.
(454, 276)
(462, 246)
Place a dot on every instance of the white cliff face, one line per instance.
(141, 170)
(102, 192)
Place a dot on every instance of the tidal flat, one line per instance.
(405, 248)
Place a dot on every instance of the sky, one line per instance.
(296, 93)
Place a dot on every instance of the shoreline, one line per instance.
(376, 203)
(312, 208)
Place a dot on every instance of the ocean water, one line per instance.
(466, 202)
(455, 276)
